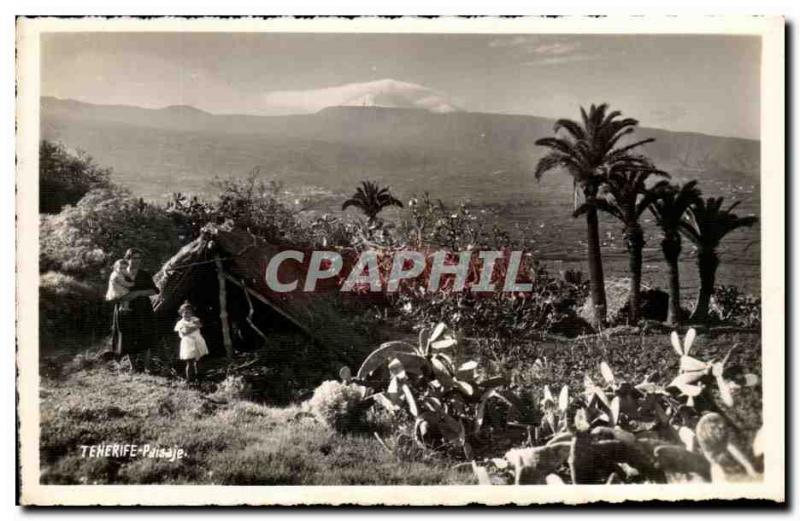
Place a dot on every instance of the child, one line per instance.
(119, 283)
(193, 346)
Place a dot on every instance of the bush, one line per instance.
(69, 310)
(731, 306)
(550, 307)
(233, 388)
(339, 405)
(429, 222)
(260, 206)
(65, 177)
(84, 240)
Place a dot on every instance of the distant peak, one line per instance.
(387, 93)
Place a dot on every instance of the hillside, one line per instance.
(461, 154)
(229, 440)
(226, 441)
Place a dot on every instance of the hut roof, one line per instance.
(244, 259)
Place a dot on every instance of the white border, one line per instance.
(773, 270)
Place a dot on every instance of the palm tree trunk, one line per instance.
(594, 257)
(672, 251)
(707, 262)
(634, 240)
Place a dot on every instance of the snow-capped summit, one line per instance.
(380, 93)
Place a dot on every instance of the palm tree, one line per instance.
(706, 224)
(625, 195)
(371, 199)
(587, 151)
(668, 209)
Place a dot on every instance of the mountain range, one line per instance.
(450, 153)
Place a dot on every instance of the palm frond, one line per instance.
(619, 152)
(572, 127)
(549, 162)
(351, 202)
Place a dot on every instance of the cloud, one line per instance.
(556, 53)
(381, 93)
(557, 60)
(542, 50)
(536, 44)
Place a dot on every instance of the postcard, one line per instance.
(400, 261)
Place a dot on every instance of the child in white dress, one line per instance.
(119, 283)
(193, 345)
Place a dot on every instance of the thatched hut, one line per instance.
(222, 273)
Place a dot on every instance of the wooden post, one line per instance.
(272, 306)
(223, 309)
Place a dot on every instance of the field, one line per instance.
(229, 440)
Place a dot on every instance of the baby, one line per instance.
(119, 283)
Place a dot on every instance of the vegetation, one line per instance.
(252, 203)
(706, 225)
(371, 200)
(448, 402)
(84, 240)
(622, 430)
(587, 152)
(230, 440)
(669, 207)
(260, 206)
(227, 441)
(731, 306)
(65, 176)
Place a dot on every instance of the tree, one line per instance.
(65, 177)
(371, 199)
(587, 151)
(626, 197)
(669, 209)
(706, 224)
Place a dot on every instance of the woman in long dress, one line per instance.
(133, 327)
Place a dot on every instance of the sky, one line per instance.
(701, 83)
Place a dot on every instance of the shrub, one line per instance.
(84, 240)
(550, 306)
(732, 306)
(233, 387)
(68, 310)
(253, 203)
(65, 176)
(339, 405)
(429, 222)
(329, 231)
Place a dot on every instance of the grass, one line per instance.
(233, 443)
(236, 442)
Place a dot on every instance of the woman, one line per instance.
(133, 327)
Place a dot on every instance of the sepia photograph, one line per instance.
(403, 261)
